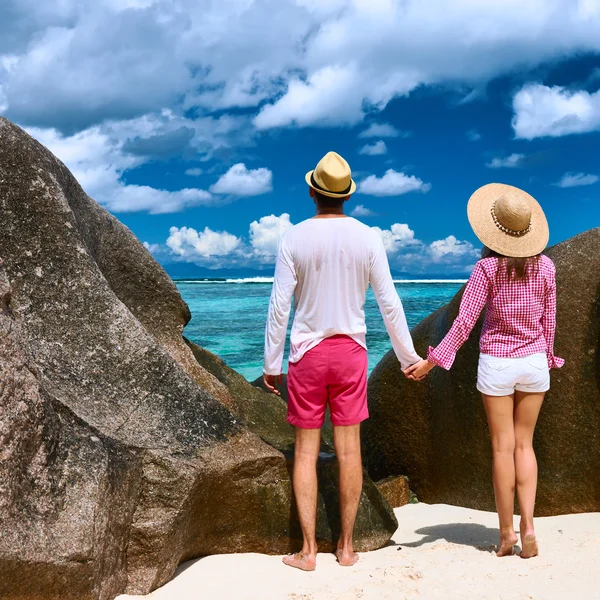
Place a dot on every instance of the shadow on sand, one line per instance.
(465, 534)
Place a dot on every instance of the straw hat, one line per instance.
(332, 177)
(508, 220)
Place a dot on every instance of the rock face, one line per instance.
(435, 431)
(395, 490)
(122, 455)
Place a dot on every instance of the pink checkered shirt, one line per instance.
(520, 318)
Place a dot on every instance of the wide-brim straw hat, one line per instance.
(508, 220)
(332, 177)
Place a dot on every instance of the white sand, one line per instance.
(438, 551)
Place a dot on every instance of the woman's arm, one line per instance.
(549, 319)
(474, 299)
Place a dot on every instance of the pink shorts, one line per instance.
(334, 372)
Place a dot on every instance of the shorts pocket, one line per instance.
(498, 365)
(539, 362)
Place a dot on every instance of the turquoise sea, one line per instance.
(228, 316)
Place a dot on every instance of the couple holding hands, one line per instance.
(326, 265)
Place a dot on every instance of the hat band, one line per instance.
(515, 232)
(322, 189)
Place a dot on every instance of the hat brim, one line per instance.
(479, 211)
(330, 194)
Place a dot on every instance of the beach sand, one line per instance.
(438, 552)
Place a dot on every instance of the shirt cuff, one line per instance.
(555, 362)
(405, 366)
(441, 361)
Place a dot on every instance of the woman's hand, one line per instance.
(419, 370)
(271, 381)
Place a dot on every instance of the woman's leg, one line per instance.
(527, 409)
(499, 410)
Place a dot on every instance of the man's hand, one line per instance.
(271, 381)
(419, 370)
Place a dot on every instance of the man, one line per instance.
(327, 263)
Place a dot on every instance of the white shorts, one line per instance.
(502, 376)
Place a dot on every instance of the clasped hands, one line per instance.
(419, 370)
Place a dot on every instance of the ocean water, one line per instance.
(228, 317)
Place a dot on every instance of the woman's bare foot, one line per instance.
(304, 562)
(529, 545)
(507, 545)
(346, 558)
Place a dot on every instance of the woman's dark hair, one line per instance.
(327, 201)
(516, 269)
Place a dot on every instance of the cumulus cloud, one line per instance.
(452, 248)
(97, 159)
(542, 111)
(506, 162)
(397, 236)
(266, 233)
(408, 254)
(375, 149)
(570, 180)
(381, 130)
(328, 97)
(195, 172)
(324, 63)
(392, 183)
(362, 211)
(241, 181)
(222, 249)
(190, 244)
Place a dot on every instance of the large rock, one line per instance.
(66, 490)
(435, 431)
(129, 457)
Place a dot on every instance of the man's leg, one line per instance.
(306, 452)
(347, 449)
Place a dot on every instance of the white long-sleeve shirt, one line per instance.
(327, 264)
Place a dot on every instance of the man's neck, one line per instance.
(330, 213)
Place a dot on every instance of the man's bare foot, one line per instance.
(345, 558)
(507, 545)
(304, 562)
(529, 544)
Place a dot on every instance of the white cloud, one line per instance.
(266, 232)
(450, 249)
(506, 162)
(187, 243)
(362, 211)
(408, 254)
(396, 237)
(473, 135)
(98, 161)
(152, 248)
(392, 183)
(381, 130)
(328, 97)
(375, 149)
(240, 181)
(569, 180)
(196, 172)
(542, 111)
(327, 62)
(221, 249)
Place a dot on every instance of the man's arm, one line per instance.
(391, 308)
(284, 285)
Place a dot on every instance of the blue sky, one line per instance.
(194, 122)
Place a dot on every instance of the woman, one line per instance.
(516, 284)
